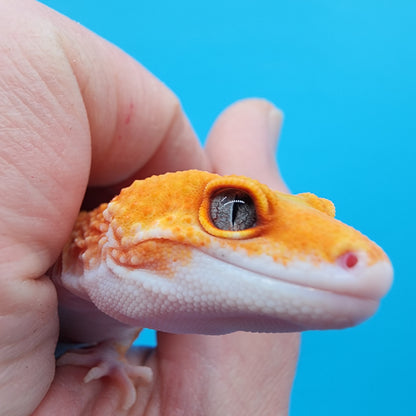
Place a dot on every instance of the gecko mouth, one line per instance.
(349, 276)
(216, 292)
(250, 301)
(294, 306)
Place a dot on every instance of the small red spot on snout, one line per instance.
(348, 260)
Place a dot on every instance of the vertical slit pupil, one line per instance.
(233, 210)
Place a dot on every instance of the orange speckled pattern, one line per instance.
(86, 240)
(157, 220)
(159, 256)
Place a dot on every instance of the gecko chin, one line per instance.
(348, 312)
(306, 309)
(363, 309)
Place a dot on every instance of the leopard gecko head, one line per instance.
(195, 252)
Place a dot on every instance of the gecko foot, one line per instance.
(106, 360)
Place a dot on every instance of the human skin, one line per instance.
(76, 112)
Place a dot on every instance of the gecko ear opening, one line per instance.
(321, 204)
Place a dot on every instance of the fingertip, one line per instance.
(244, 139)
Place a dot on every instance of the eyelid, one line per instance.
(252, 188)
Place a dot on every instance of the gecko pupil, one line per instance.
(233, 210)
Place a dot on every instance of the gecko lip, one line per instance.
(259, 302)
(352, 293)
(321, 306)
(349, 276)
(245, 293)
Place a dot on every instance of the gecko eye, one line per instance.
(232, 210)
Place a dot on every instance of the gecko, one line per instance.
(196, 252)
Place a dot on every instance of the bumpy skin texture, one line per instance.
(154, 257)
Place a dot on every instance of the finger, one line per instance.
(243, 141)
(137, 124)
(77, 108)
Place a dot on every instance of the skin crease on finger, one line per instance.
(75, 109)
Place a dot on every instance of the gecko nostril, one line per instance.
(348, 260)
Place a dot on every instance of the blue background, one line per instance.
(344, 73)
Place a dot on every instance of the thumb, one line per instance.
(243, 141)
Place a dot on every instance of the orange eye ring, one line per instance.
(249, 194)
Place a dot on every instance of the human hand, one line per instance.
(76, 111)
